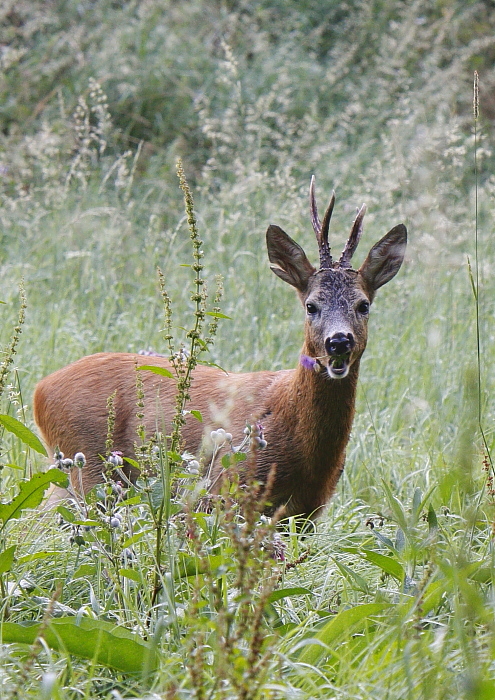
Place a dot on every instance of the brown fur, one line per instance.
(306, 415)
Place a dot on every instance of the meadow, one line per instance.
(390, 595)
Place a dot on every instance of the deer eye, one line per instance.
(311, 309)
(364, 308)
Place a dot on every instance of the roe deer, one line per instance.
(306, 413)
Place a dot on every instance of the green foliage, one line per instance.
(24, 434)
(97, 641)
(30, 494)
(342, 623)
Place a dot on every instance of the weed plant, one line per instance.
(391, 594)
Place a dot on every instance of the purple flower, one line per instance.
(308, 362)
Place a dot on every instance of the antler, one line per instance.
(355, 235)
(321, 228)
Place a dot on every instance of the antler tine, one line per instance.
(353, 240)
(325, 224)
(321, 228)
(313, 209)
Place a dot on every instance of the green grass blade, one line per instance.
(287, 592)
(340, 624)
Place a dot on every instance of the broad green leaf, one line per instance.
(433, 594)
(202, 344)
(156, 494)
(66, 514)
(157, 370)
(400, 539)
(7, 559)
(131, 574)
(131, 501)
(84, 570)
(396, 507)
(480, 574)
(191, 566)
(287, 592)
(31, 493)
(356, 580)
(24, 434)
(416, 503)
(216, 314)
(197, 415)
(341, 623)
(131, 461)
(135, 538)
(385, 540)
(95, 640)
(386, 564)
(432, 519)
(232, 458)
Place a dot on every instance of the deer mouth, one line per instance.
(338, 367)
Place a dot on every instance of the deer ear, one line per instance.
(384, 259)
(288, 259)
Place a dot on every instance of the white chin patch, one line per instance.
(338, 369)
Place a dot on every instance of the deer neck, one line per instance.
(311, 416)
(317, 413)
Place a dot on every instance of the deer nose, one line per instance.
(339, 344)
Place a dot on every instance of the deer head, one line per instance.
(336, 297)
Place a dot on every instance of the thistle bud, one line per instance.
(115, 459)
(79, 460)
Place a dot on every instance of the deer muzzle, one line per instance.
(339, 347)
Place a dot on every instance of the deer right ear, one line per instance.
(289, 261)
(384, 259)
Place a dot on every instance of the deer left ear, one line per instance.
(289, 261)
(384, 259)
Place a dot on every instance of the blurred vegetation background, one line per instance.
(99, 98)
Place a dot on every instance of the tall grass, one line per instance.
(98, 100)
